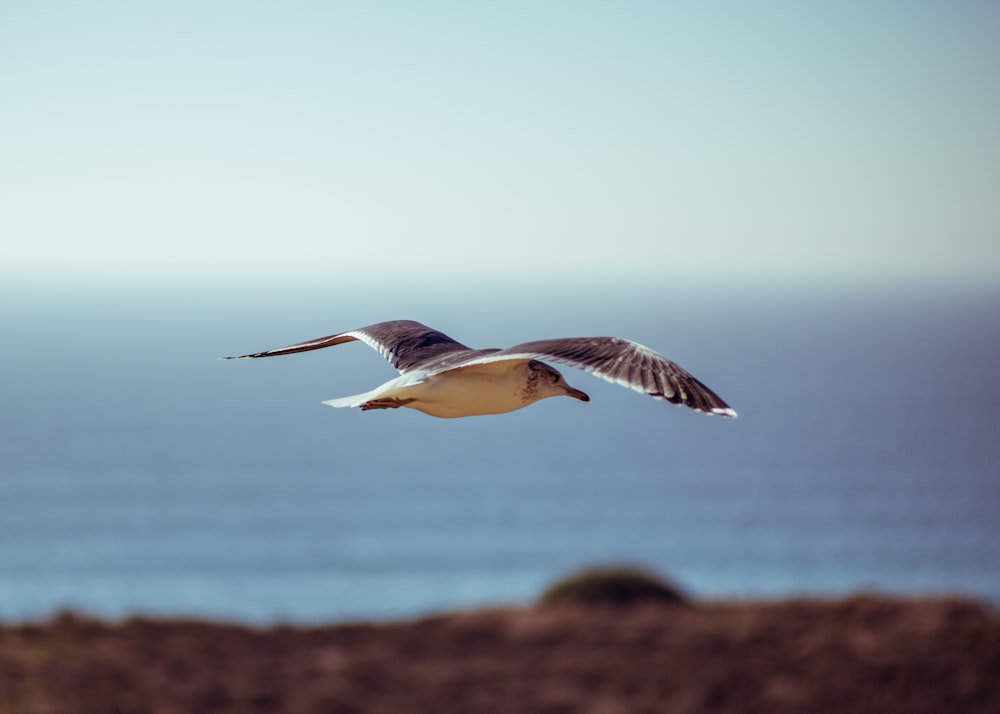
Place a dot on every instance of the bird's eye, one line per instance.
(555, 376)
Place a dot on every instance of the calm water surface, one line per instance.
(138, 474)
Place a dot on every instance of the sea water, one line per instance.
(140, 475)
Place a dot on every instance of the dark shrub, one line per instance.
(612, 586)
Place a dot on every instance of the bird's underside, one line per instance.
(442, 377)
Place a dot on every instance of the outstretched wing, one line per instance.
(404, 343)
(623, 362)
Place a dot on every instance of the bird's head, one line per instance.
(549, 382)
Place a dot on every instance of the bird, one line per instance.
(443, 378)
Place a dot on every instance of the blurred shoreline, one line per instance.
(859, 653)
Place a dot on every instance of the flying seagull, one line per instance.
(444, 378)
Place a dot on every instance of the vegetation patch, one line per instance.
(613, 586)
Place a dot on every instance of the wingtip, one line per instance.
(726, 412)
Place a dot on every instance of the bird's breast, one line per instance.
(474, 391)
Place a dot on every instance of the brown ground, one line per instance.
(863, 654)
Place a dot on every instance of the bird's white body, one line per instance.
(477, 390)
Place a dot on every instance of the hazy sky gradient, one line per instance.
(635, 140)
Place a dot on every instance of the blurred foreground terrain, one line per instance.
(860, 654)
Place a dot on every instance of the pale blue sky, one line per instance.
(620, 140)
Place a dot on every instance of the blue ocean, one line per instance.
(141, 475)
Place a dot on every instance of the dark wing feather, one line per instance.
(404, 343)
(316, 344)
(623, 362)
(408, 345)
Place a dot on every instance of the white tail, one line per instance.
(355, 400)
